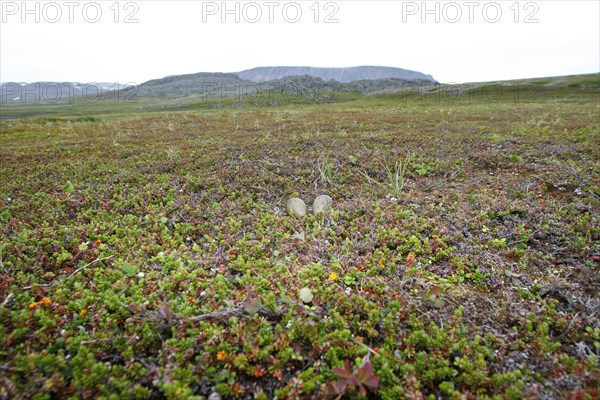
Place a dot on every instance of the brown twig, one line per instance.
(70, 276)
(87, 265)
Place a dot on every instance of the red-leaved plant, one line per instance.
(362, 378)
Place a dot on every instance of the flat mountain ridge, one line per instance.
(343, 75)
(362, 79)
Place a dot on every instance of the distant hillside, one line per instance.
(529, 89)
(344, 75)
(364, 79)
(306, 90)
(292, 84)
(185, 85)
(217, 87)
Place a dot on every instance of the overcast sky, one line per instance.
(132, 42)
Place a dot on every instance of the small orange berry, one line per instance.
(410, 259)
(83, 313)
(45, 301)
(33, 305)
(221, 355)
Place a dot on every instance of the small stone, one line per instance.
(214, 396)
(305, 295)
(322, 204)
(296, 207)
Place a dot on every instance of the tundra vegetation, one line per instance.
(147, 254)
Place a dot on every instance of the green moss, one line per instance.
(148, 255)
